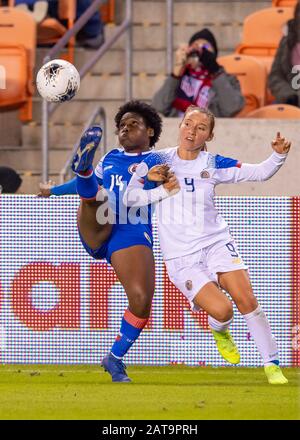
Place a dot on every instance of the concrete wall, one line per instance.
(249, 140)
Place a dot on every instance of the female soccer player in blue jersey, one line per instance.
(195, 240)
(105, 229)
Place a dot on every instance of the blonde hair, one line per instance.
(204, 110)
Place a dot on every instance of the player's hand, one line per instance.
(172, 184)
(158, 173)
(281, 145)
(45, 189)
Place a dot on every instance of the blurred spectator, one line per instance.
(38, 8)
(282, 81)
(198, 79)
(10, 181)
(90, 36)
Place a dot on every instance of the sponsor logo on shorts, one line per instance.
(132, 168)
(147, 237)
(237, 261)
(189, 285)
(205, 175)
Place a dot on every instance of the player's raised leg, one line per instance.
(237, 284)
(134, 267)
(92, 232)
(219, 308)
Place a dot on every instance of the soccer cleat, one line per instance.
(275, 375)
(84, 156)
(116, 368)
(226, 346)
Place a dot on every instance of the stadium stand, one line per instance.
(104, 84)
(284, 3)
(276, 111)
(252, 76)
(51, 30)
(108, 11)
(262, 32)
(17, 58)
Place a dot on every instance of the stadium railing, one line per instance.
(125, 26)
(50, 30)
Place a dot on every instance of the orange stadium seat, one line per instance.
(262, 32)
(17, 60)
(51, 30)
(108, 11)
(276, 111)
(284, 3)
(252, 76)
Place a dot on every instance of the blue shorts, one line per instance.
(122, 236)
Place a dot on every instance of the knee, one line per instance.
(247, 303)
(224, 313)
(140, 303)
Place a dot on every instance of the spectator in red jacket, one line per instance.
(198, 79)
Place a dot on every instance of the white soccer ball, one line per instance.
(58, 81)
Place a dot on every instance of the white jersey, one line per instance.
(189, 221)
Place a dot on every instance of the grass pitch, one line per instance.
(173, 392)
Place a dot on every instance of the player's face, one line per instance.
(133, 133)
(194, 131)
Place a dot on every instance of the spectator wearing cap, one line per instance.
(198, 79)
(284, 76)
(10, 181)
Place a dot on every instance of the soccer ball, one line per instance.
(58, 81)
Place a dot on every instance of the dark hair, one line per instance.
(147, 112)
(10, 181)
(292, 27)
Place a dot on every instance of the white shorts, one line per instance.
(191, 272)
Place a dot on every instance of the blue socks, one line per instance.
(87, 184)
(131, 329)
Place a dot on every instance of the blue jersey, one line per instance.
(131, 226)
(114, 172)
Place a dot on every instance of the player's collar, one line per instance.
(136, 154)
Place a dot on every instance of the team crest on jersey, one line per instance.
(205, 175)
(132, 168)
(147, 237)
(189, 285)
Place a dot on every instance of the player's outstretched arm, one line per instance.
(257, 172)
(49, 189)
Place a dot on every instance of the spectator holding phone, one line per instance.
(198, 79)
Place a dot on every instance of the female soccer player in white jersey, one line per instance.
(198, 249)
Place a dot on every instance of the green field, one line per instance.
(173, 392)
